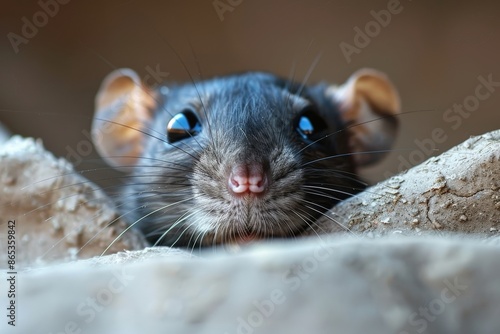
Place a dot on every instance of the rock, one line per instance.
(387, 285)
(457, 191)
(58, 214)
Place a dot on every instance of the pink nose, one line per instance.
(247, 178)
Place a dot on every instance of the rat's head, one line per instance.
(240, 157)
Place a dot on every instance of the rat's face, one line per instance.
(239, 158)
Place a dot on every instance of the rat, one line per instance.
(240, 157)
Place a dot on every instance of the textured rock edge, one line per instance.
(457, 191)
(59, 214)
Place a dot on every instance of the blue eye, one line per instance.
(310, 125)
(305, 127)
(183, 125)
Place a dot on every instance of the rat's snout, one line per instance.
(248, 178)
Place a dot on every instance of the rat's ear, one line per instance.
(369, 99)
(123, 110)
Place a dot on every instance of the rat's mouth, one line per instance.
(240, 242)
(245, 239)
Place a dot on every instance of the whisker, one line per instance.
(323, 214)
(94, 181)
(141, 219)
(337, 171)
(310, 222)
(323, 195)
(158, 102)
(333, 189)
(354, 153)
(308, 74)
(147, 134)
(94, 189)
(217, 227)
(333, 220)
(110, 223)
(329, 171)
(362, 123)
(181, 219)
(292, 231)
(204, 109)
(89, 241)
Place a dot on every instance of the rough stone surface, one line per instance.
(403, 285)
(457, 191)
(59, 214)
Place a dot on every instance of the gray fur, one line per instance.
(178, 191)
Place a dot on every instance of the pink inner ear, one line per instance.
(128, 105)
(117, 83)
(377, 90)
(364, 100)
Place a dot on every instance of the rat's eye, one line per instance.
(310, 125)
(183, 125)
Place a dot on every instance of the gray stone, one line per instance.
(404, 285)
(59, 214)
(457, 191)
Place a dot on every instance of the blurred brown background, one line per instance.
(433, 51)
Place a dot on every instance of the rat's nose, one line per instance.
(248, 178)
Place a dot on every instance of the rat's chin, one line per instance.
(242, 239)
